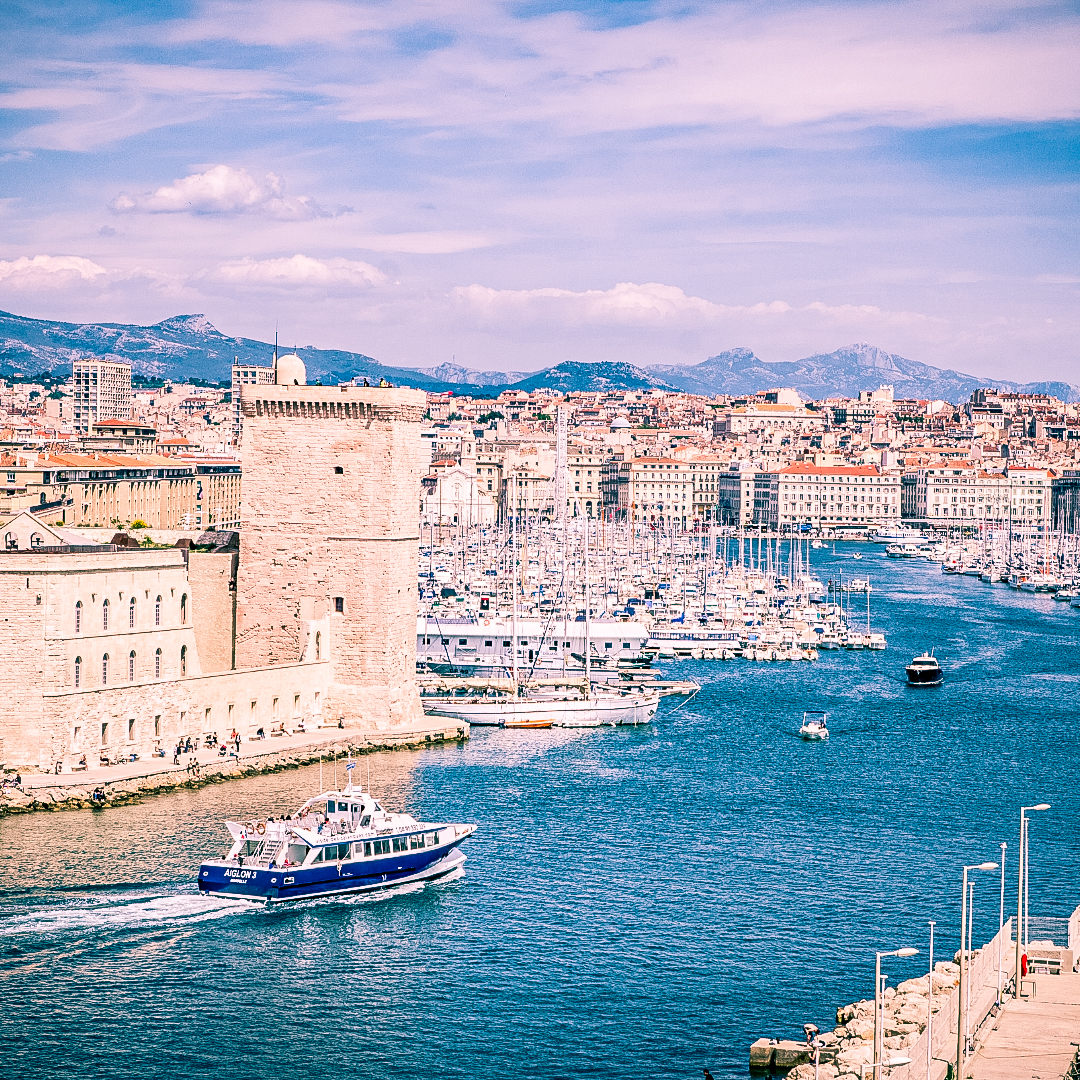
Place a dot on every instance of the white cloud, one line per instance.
(651, 304)
(222, 190)
(655, 305)
(298, 271)
(51, 271)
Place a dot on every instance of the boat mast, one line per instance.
(513, 585)
(588, 623)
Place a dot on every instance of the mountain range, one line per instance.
(189, 347)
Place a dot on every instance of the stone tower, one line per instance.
(329, 539)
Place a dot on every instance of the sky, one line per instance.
(510, 185)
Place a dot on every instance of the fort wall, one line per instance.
(329, 526)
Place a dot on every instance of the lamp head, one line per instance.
(906, 952)
(1041, 806)
(987, 866)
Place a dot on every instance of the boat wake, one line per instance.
(138, 911)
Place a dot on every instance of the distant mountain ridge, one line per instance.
(843, 373)
(189, 346)
(183, 347)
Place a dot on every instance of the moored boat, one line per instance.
(337, 843)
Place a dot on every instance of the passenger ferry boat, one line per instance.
(337, 843)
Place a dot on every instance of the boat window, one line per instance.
(297, 853)
(401, 843)
(432, 839)
(380, 847)
(463, 641)
(487, 644)
(355, 808)
(416, 840)
(329, 806)
(506, 644)
(365, 820)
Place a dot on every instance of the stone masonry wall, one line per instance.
(212, 577)
(329, 527)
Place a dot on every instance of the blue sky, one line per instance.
(516, 184)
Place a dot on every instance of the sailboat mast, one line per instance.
(588, 623)
(513, 586)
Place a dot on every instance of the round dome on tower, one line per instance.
(619, 423)
(291, 371)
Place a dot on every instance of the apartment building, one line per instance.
(657, 489)
(101, 391)
(837, 495)
(1021, 495)
(246, 375)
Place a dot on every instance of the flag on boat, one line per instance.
(350, 766)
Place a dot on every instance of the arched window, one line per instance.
(11, 541)
(183, 609)
(36, 539)
(105, 670)
(78, 617)
(157, 664)
(318, 646)
(131, 666)
(105, 615)
(78, 671)
(157, 611)
(131, 614)
(183, 659)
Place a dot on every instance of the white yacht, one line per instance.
(897, 534)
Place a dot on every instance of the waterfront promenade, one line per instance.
(127, 781)
(1035, 1037)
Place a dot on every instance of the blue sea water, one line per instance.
(636, 903)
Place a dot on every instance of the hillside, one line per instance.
(190, 347)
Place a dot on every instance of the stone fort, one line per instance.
(106, 649)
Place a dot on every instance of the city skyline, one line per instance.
(510, 187)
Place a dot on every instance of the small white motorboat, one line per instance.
(815, 726)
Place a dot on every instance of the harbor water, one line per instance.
(636, 902)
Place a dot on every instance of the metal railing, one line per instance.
(982, 977)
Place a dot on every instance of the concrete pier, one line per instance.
(1035, 1037)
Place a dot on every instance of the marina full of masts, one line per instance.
(625, 595)
(1020, 559)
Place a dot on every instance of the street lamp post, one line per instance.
(879, 1019)
(930, 1007)
(1021, 889)
(1001, 920)
(961, 1019)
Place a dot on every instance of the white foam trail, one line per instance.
(175, 908)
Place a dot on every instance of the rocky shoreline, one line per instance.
(850, 1045)
(76, 796)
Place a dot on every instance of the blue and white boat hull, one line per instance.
(282, 885)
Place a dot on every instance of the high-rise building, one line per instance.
(102, 392)
(248, 375)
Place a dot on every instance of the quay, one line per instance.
(1033, 1037)
(130, 782)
